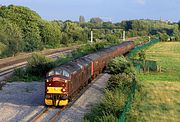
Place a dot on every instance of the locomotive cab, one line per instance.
(56, 87)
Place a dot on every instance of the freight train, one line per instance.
(64, 82)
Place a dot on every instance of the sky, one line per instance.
(108, 10)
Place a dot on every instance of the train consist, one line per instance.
(64, 82)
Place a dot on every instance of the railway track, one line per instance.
(7, 69)
(57, 113)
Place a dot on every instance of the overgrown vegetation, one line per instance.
(39, 65)
(120, 65)
(167, 31)
(117, 92)
(23, 30)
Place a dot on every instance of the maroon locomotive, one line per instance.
(64, 82)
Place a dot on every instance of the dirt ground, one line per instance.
(20, 101)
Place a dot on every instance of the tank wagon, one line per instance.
(64, 82)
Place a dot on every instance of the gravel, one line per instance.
(19, 101)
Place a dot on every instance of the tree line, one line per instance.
(23, 30)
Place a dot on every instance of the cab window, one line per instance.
(51, 73)
(58, 72)
(80, 65)
(65, 73)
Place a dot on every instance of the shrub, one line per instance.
(111, 104)
(121, 65)
(62, 59)
(121, 81)
(21, 74)
(163, 37)
(112, 38)
(39, 65)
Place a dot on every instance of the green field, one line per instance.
(167, 55)
(160, 100)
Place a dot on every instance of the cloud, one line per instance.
(142, 2)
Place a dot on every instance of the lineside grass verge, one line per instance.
(160, 98)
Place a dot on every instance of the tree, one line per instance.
(178, 25)
(112, 38)
(50, 34)
(96, 20)
(27, 20)
(75, 32)
(108, 25)
(81, 19)
(11, 37)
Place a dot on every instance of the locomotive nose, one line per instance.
(56, 91)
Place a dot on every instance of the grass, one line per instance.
(160, 104)
(167, 55)
(160, 100)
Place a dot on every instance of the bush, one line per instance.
(21, 74)
(112, 38)
(122, 82)
(2, 48)
(62, 59)
(39, 65)
(163, 37)
(112, 103)
(121, 65)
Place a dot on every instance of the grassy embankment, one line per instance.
(119, 87)
(161, 98)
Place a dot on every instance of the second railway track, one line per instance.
(6, 69)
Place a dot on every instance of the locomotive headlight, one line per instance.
(63, 90)
(65, 81)
(47, 80)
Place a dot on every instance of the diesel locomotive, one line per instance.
(64, 82)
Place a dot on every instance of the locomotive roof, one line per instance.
(102, 52)
(108, 50)
(75, 65)
(82, 61)
(125, 43)
(92, 56)
(71, 67)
